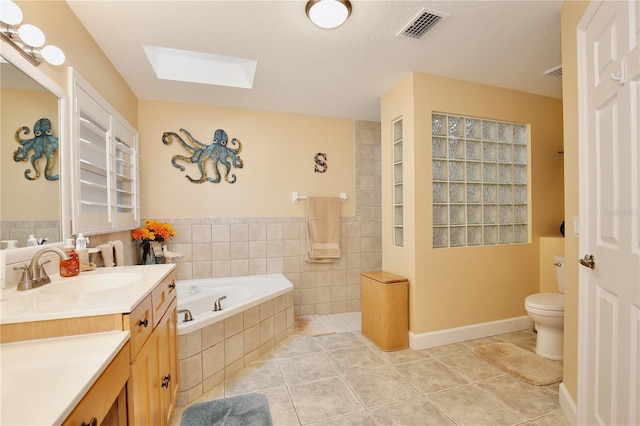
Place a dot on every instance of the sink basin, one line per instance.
(91, 283)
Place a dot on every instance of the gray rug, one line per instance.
(525, 365)
(249, 409)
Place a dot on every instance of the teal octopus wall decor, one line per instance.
(219, 151)
(43, 143)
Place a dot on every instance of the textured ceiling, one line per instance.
(341, 72)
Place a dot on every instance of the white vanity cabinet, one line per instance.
(104, 165)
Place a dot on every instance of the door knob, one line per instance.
(589, 261)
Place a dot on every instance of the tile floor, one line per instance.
(344, 379)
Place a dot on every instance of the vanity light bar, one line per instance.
(26, 39)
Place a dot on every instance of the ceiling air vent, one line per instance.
(421, 23)
(554, 72)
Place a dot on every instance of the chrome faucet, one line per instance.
(35, 275)
(216, 305)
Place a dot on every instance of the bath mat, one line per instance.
(525, 365)
(311, 325)
(249, 409)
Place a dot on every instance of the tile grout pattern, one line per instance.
(344, 379)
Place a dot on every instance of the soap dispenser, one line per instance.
(70, 267)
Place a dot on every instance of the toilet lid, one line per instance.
(546, 301)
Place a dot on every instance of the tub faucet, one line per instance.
(187, 315)
(216, 305)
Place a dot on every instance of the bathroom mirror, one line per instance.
(29, 207)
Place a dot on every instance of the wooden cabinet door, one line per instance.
(144, 392)
(168, 343)
(105, 394)
(117, 415)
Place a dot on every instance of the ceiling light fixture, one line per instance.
(26, 39)
(328, 14)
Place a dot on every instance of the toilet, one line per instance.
(547, 311)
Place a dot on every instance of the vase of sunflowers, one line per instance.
(151, 235)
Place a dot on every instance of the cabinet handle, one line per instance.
(144, 322)
(172, 285)
(92, 422)
(166, 380)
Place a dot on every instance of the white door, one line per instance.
(609, 309)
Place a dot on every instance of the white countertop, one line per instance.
(44, 303)
(43, 380)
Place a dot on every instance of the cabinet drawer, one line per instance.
(140, 323)
(162, 296)
(100, 398)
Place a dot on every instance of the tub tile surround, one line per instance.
(238, 246)
(323, 381)
(206, 357)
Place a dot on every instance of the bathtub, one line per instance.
(257, 315)
(242, 293)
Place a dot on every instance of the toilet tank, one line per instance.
(558, 261)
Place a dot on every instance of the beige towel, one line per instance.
(106, 250)
(83, 257)
(323, 229)
(118, 249)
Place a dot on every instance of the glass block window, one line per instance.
(398, 202)
(480, 181)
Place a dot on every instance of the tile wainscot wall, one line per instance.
(211, 354)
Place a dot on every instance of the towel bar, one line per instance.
(297, 197)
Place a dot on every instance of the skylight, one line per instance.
(203, 68)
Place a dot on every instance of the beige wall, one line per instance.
(398, 103)
(464, 286)
(63, 29)
(549, 248)
(24, 199)
(572, 12)
(278, 151)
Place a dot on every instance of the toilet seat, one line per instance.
(545, 301)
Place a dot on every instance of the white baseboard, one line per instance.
(568, 406)
(468, 332)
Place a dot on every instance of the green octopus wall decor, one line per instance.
(219, 151)
(42, 144)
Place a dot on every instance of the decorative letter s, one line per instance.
(321, 163)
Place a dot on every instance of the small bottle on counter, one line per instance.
(81, 242)
(32, 241)
(70, 267)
